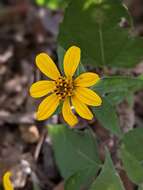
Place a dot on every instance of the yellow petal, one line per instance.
(7, 182)
(41, 88)
(68, 115)
(71, 60)
(47, 107)
(88, 96)
(81, 108)
(86, 79)
(47, 66)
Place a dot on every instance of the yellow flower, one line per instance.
(66, 89)
(7, 184)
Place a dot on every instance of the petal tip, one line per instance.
(100, 101)
(72, 125)
(41, 54)
(39, 116)
(7, 181)
(91, 117)
(96, 78)
(75, 47)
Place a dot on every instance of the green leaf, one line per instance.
(133, 141)
(108, 179)
(117, 97)
(117, 88)
(119, 84)
(107, 116)
(140, 77)
(132, 154)
(94, 26)
(40, 2)
(74, 150)
(82, 178)
(53, 4)
(132, 166)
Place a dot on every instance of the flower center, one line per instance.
(64, 87)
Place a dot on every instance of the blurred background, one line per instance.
(27, 28)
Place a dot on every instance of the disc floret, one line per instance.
(64, 87)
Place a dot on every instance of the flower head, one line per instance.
(66, 89)
(7, 184)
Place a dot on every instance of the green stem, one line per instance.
(101, 45)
